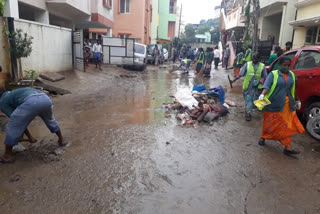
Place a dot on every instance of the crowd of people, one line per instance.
(280, 120)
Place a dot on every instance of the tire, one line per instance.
(313, 128)
(313, 111)
(313, 121)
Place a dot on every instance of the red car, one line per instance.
(306, 65)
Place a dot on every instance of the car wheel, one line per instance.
(313, 111)
(313, 127)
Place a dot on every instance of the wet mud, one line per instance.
(128, 155)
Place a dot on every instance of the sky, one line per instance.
(193, 11)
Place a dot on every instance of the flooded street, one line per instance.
(128, 155)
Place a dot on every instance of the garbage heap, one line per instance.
(200, 104)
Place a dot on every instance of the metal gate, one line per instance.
(264, 49)
(78, 60)
(118, 51)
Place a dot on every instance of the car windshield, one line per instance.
(139, 49)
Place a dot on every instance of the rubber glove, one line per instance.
(261, 97)
(298, 105)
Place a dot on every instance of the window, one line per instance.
(318, 35)
(139, 49)
(172, 7)
(107, 3)
(275, 66)
(124, 6)
(307, 60)
(311, 35)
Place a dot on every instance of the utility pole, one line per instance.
(256, 15)
(180, 21)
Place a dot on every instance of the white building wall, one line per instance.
(154, 23)
(97, 7)
(268, 9)
(51, 48)
(41, 4)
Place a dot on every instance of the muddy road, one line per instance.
(128, 155)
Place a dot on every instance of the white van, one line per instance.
(140, 55)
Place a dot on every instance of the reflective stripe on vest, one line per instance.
(185, 61)
(275, 82)
(248, 58)
(201, 57)
(250, 73)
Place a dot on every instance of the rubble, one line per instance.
(200, 104)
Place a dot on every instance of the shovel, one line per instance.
(230, 82)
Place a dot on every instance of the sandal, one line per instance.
(248, 117)
(262, 142)
(3, 161)
(290, 152)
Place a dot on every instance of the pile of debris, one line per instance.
(200, 104)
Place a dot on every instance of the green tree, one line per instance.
(1, 7)
(189, 33)
(215, 36)
(203, 29)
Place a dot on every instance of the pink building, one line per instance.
(132, 18)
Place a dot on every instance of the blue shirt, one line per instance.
(283, 89)
(10, 100)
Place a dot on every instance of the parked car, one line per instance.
(306, 65)
(140, 57)
(150, 57)
(165, 55)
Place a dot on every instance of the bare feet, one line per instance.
(62, 142)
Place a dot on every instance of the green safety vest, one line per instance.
(274, 85)
(185, 61)
(240, 58)
(201, 57)
(248, 58)
(275, 81)
(250, 73)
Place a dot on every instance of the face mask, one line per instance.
(283, 69)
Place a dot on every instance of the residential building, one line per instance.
(62, 13)
(232, 19)
(167, 20)
(307, 24)
(102, 12)
(164, 21)
(203, 38)
(132, 18)
(274, 20)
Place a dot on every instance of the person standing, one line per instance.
(226, 56)
(254, 73)
(156, 54)
(280, 120)
(200, 60)
(216, 54)
(238, 62)
(208, 62)
(288, 46)
(248, 55)
(277, 53)
(98, 54)
(22, 106)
